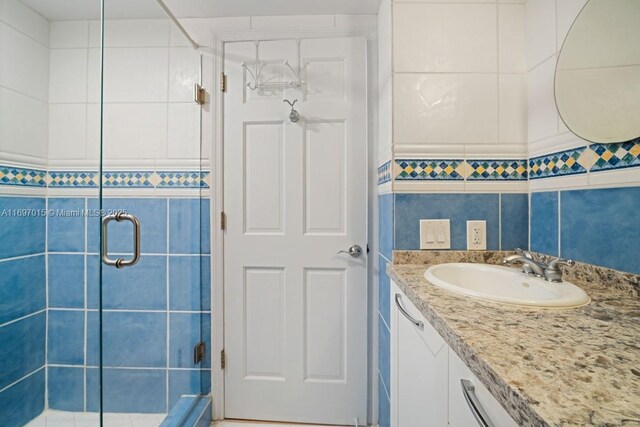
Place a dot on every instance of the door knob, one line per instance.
(355, 251)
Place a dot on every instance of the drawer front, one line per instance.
(461, 412)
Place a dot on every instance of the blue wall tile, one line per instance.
(130, 339)
(152, 214)
(602, 227)
(26, 234)
(190, 283)
(384, 353)
(385, 232)
(22, 287)
(66, 281)
(141, 287)
(544, 222)
(384, 406)
(459, 208)
(128, 390)
(65, 337)
(66, 233)
(21, 348)
(185, 332)
(189, 227)
(515, 221)
(22, 402)
(187, 382)
(384, 288)
(66, 388)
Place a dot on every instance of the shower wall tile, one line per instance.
(66, 281)
(190, 283)
(65, 231)
(30, 394)
(188, 382)
(21, 348)
(152, 214)
(22, 287)
(544, 222)
(65, 343)
(185, 331)
(66, 388)
(189, 217)
(22, 226)
(148, 386)
(514, 220)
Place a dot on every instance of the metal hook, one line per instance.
(294, 116)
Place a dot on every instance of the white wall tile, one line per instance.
(202, 29)
(69, 34)
(93, 131)
(385, 82)
(135, 131)
(542, 116)
(23, 124)
(512, 35)
(184, 72)
(131, 33)
(299, 21)
(541, 31)
(183, 140)
(567, 11)
(25, 20)
(67, 131)
(446, 108)
(513, 108)
(136, 74)
(444, 37)
(68, 75)
(24, 64)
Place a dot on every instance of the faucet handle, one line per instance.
(555, 263)
(524, 253)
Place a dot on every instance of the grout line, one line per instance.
(86, 304)
(46, 293)
(35, 313)
(168, 285)
(559, 224)
(24, 378)
(25, 256)
(499, 221)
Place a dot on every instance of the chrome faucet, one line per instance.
(530, 266)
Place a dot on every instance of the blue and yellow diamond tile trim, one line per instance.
(616, 156)
(15, 176)
(426, 169)
(497, 170)
(557, 164)
(384, 173)
(10, 175)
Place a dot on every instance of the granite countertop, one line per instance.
(547, 367)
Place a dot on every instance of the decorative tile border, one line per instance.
(384, 173)
(616, 156)
(111, 179)
(497, 170)
(424, 169)
(10, 175)
(563, 163)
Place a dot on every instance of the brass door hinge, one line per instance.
(223, 221)
(223, 82)
(223, 360)
(199, 94)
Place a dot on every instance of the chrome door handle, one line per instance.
(416, 322)
(469, 391)
(120, 262)
(355, 251)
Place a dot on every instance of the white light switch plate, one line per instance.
(476, 235)
(435, 234)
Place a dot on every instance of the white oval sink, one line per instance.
(505, 285)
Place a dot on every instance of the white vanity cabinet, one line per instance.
(427, 377)
(419, 358)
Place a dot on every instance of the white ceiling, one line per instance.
(58, 10)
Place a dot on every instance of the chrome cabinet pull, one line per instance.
(469, 391)
(120, 262)
(416, 322)
(355, 251)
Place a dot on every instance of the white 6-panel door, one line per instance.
(295, 195)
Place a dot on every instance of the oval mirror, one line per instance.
(597, 81)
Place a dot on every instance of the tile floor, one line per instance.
(51, 418)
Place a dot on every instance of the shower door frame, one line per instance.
(219, 39)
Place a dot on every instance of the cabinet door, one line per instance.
(461, 413)
(419, 368)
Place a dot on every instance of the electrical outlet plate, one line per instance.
(476, 235)
(435, 234)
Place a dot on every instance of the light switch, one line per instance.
(435, 234)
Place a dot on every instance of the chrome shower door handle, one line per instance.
(120, 262)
